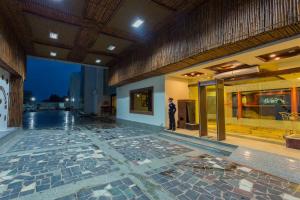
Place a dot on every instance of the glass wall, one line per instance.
(263, 110)
(261, 104)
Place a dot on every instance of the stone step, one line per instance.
(214, 146)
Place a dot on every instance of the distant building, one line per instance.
(75, 90)
(96, 93)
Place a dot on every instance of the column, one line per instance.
(202, 110)
(15, 108)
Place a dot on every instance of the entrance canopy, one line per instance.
(93, 32)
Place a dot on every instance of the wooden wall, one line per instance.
(212, 30)
(15, 101)
(12, 59)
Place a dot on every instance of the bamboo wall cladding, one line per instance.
(12, 56)
(214, 29)
(15, 101)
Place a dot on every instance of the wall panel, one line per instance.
(214, 29)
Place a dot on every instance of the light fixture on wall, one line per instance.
(98, 61)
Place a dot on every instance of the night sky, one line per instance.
(45, 77)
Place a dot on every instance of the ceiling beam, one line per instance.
(164, 5)
(40, 10)
(99, 11)
(68, 47)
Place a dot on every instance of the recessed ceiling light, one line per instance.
(277, 58)
(53, 35)
(53, 54)
(137, 23)
(273, 55)
(98, 61)
(111, 47)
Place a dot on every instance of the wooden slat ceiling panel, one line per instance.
(86, 26)
(102, 10)
(12, 11)
(41, 28)
(172, 4)
(87, 36)
(130, 10)
(70, 7)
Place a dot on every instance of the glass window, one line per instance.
(141, 101)
(264, 104)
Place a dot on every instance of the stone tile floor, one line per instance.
(125, 162)
(120, 189)
(36, 139)
(208, 177)
(141, 150)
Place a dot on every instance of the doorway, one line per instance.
(208, 114)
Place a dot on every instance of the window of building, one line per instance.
(141, 101)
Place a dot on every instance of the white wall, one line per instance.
(177, 89)
(123, 107)
(4, 98)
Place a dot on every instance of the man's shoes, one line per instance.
(174, 130)
(169, 129)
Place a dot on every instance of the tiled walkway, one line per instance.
(112, 162)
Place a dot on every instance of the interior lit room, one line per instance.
(261, 94)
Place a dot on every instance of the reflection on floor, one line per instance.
(258, 133)
(100, 161)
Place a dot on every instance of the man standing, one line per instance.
(172, 111)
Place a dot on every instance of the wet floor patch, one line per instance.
(208, 177)
(142, 150)
(124, 189)
(34, 139)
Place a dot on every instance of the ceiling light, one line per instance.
(53, 54)
(111, 47)
(137, 23)
(53, 35)
(277, 58)
(273, 55)
(98, 61)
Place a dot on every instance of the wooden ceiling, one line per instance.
(87, 27)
